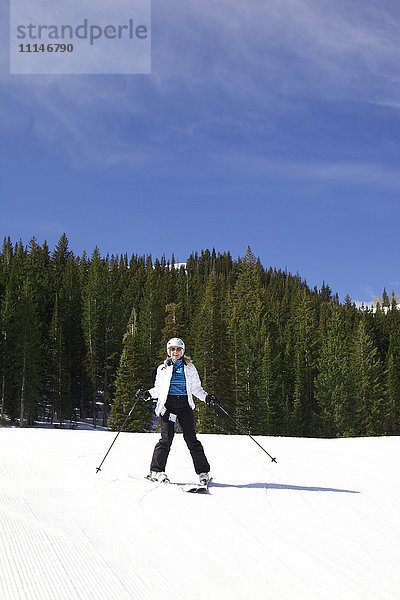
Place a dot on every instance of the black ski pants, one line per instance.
(179, 406)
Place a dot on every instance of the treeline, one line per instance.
(79, 335)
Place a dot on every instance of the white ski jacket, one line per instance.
(163, 380)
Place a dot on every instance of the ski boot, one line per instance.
(204, 479)
(158, 476)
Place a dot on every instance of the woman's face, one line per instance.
(176, 353)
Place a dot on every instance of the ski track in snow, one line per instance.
(323, 522)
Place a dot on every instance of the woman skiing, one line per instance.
(176, 380)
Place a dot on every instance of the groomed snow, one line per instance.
(322, 523)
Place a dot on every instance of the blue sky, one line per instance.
(271, 123)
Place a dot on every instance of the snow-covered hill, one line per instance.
(322, 523)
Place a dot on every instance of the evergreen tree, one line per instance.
(247, 312)
(334, 385)
(94, 327)
(26, 350)
(152, 317)
(69, 299)
(6, 316)
(24, 378)
(132, 374)
(173, 326)
(211, 354)
(59, 361)
(305, 330)
(60, 405)
(368, 401)
(393, 370)
(385, 299)
(116, 317)
(59, 259)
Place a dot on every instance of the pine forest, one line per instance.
(81, 334)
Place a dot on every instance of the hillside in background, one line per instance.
(79, 336)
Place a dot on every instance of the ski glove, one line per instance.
(145, 394)
(210, 399)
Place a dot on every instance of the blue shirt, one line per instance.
(177, 385)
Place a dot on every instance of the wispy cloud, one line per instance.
(290, 43)
(325, 170)
(242, 62)
(387, 104)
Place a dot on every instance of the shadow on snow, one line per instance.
(282, 486)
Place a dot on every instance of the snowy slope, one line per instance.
(324, 522)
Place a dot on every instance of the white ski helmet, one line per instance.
(175, 342)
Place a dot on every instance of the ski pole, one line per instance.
(244, 431)
(120, 429)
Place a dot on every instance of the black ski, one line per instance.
(196, 488)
